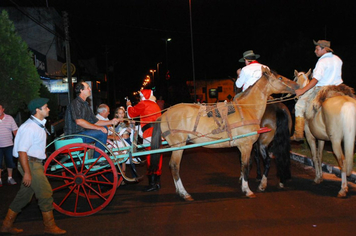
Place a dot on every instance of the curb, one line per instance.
(325, 167)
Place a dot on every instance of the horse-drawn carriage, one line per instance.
(83, 185)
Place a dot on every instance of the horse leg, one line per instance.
(266, 164)
(174, 165)
(319, 159)
(256, 155)
(343, 164)
(312, 144)
(245, 158)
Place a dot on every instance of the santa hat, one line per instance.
(146, 94)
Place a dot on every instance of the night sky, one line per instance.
(132, 33)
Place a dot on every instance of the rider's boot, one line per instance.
(298, 129)
(7, 223)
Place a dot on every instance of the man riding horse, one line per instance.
(249, 74)
(326, 72)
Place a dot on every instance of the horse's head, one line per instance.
(279, 83)
(302, 78)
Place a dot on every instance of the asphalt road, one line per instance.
(220, 208)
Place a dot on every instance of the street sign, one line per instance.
(64, 69)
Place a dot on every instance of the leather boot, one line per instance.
(298, 129)
(158, 181)
(151, 183)
(7, 223)
(50, 225)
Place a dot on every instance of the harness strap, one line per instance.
(201, 110)
(216, 131)
(243, 123)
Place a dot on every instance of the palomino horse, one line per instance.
(278, 118)
(332, 120)
(191, 122)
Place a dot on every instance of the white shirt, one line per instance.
(328, 70)
(249, 75)
(100, 117)
(31, 138)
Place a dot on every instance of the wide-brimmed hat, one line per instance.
(249, 55)
(37, 103)
(323, 44)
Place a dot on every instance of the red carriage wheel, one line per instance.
(82, 185)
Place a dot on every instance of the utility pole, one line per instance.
(191, 42)
(68, 62)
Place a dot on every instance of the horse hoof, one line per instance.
(281, 185)
(188, 198)
(342, 194)
(252, 195)
(261, 189)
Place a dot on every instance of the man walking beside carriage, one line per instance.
(327, 71)
(29, 147)
(148, 111)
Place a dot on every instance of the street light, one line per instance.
(153, 76)
(167, 40)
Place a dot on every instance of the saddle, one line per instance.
(319, 96)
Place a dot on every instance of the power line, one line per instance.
(36, 21)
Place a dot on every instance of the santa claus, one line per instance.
(148, 111)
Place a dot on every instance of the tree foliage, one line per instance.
(19, 80)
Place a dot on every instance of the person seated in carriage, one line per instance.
(327, 71)
(120, 136)
(148, 111)
(248, 75)
(80, 119)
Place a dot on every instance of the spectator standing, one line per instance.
(8, 130)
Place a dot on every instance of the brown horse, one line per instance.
(332, 120)
(278, 118)
(191, 123)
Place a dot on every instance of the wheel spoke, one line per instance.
(63, 186)
(80, 188)
(66, 196)
(87, 198)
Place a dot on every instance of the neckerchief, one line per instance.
(40, 125)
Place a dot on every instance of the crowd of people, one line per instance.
(27, 143)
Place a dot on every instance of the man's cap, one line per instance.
(323, 44)
(249, 55)
(37, 103)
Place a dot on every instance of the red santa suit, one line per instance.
(149, 111)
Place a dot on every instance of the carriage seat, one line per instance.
(61, 143)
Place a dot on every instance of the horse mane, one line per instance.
(319, 96)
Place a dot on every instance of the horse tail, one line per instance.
(348, 116)
(156, 142)
(281, 145)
